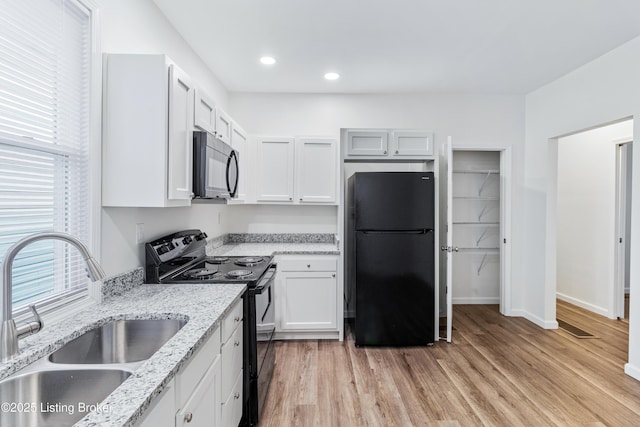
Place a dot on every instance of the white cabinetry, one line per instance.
(389, 144)
(316, 170)
(162, 411)
(307, 296)
(240, 143)
(147, 149)
(231, 364)
(274, 169)
(223, 126)
(205, 112)
(301, 170)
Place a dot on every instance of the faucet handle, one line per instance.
(37, 324)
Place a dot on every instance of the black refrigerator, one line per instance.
(391, 257)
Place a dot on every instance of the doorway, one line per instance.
(592, 208)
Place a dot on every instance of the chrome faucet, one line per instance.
(9, 334)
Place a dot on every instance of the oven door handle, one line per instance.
(268, 278)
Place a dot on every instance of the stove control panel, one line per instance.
(177, 245)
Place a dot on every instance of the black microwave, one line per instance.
(215, 168)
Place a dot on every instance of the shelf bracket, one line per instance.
(482, 236)
(482, 263)
(484, 183)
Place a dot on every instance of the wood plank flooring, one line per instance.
(499, 371)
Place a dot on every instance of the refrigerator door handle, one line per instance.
(422, 231)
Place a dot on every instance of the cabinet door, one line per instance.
(239, 143)
(204, 407)
(367, 143)
(274, 180)
(412, 143)
(223, 126)
(308, 300)
(181, 98)
(205, 113)
(316, 170)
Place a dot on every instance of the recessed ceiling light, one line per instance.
(268, 60)
(332, 76)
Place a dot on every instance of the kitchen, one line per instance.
(473, 119)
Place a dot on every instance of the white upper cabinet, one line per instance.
(223, 126)
(274, 169)
(181, 95)
(240, 143)
(411, 144)
(388, 145)
(147, 149)
(205, 112)
(367, 143)
(316, 170)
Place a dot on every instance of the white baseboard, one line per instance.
(632, 371)
(583, 304)
(545, 324)
(475, 300)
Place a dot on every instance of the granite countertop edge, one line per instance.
(203, 305)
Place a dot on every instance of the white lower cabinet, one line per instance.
(231, 358)
(162, 411)
(307, 295)
(201, 409)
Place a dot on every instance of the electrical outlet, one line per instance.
(139, 233)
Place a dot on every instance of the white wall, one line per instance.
(586, 216)
(470, 119)
(280, 219)
(139, 27)
(603, 91)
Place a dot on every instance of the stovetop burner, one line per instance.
(217, 259)
(237, 274)
(201, 273)
(250, 261)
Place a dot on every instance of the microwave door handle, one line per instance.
(232, 157)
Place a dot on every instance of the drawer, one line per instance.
(231, 321)
(307, 264)
(231, 361)
(232, 407)
(189, 376)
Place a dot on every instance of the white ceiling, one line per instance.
(490, 46)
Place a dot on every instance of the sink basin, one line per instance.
(56, 398)
(121, 341)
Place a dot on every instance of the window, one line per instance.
(45, 145)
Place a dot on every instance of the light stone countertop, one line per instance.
(204, 306)
(267, 249)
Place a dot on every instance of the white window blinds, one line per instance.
(44, 143)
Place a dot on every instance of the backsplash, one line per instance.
(123, 282)
(281, 238)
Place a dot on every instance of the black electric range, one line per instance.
(180, 258)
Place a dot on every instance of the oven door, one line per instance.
(265, 330)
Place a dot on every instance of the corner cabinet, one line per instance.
(307, 297)
(301, 170)
(389, 144)
(147, 148)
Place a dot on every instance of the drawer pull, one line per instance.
(237, 319)
(188, 417)
(236, 395)
(236, 344)
(308, 265)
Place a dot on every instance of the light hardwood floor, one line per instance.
(498, 371)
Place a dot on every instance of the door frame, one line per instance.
(618, 289)
(506, 159)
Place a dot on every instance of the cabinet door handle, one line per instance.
(397, 151)
(333, 275)
(237, 319)
(188, 417)
(308, 265)
(385, 151)
(236, 344)
(290, 198)
(236, 395)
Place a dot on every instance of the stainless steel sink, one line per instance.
(121, 341)
(57, 397)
